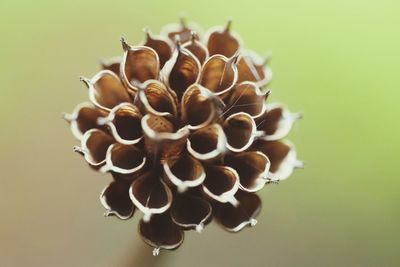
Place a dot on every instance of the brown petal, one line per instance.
(179, 31)
(181, 71)
(253, 68)
(83, 118)
(221, 184)
(247, 97)
(236, 218)
(155, 98)
(139, 64)
(252, 168)
(282, 156)
(94, 145)
(124, 159)
(240, 130)
(161, 45)
(184, 172)
(161, 233)
(276, 122)
(112, 64)
(221, 41)
(150, 195)
(207, 143)
(124, 121)
(115, 199)
(106, 90)
(190, 212)
(197, 48)
(199, 107)
(219, 74)
(161, 140)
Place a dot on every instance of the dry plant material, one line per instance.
(182, 124)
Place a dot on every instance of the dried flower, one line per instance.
(183, 127)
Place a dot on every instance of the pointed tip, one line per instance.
(146, 31)
(85, 80)
(182, 21)
(66, 116)
(267, 58)
(156, 251)
(79, 150)
(253, 222)
(235, 58)
(228, 25)
(297, 116)
(193, 36)
(199, 228)
(125, 45)
(298, 164)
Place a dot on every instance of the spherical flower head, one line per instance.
(182, 125)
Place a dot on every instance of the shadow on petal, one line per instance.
(113, 64)
(197, 48)
(161, 45)
(234, 219)
(115, 199)
(161, 233)
(254, 69)
(124, 159)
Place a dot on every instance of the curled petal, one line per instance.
(190, 212)
(184, 172)
(221, 184)
(247, 97)
(83, 118)
(180, 31)
(276, 122)
(155, 98)
(160, 137)
(219, 74)
(106, 90)
(234, 219)
(197, 48)
(181, 71)
(282, 156)
(139, 64)
(199, 107)
(124, 121)
(252, 168)
(207, 143)
(112, 64)
(253, 68)
(150, 195)
(94, 146)
(221, 41)
(124, 159)
(115, 199)
(161, 233)
(161, 45)
(240, 130)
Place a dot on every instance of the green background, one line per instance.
(336, 61)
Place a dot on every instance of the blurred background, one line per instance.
(336, 61)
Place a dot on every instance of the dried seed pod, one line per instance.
(156, 99)
(124, 121)
(139, 64)
(185, 133)
(220, 40)
(199, 107)
(253, 68)
(197, 48)
(163, 46)
(219, 74)
(180, 71)
(106, 90)
(83, 118)
(240, 130)
(276, 122)
(247, 97)
(116, 201)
